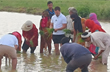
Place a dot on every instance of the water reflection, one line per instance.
(39, 62)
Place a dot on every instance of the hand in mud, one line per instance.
(95, 57)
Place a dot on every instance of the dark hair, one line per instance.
(49, 2)
(45, 13)
(64, 40)
(74, 15)
(57, 8)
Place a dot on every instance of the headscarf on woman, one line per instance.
(77, 22)
(93, 17)
(29, 30)
(93, 26)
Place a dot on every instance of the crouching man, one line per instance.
(8, 46)
(75, 55)
(101, 40)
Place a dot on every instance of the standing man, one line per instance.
(75, 55)
(8, 46)
(70, 23)
(50, 9)
(58, 23)
(101, 40)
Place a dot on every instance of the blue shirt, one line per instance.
(50, 13)
(73, 50)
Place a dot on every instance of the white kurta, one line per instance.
(70, 25)
(102, 40)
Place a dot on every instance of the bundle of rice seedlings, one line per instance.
(41, 32)
(67, 31)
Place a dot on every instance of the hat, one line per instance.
(28, 25)
(64, 40)
(86, 35)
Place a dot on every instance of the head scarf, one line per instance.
(93, 17)
(77, 22)
(93, 26)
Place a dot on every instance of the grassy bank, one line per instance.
(84, 7)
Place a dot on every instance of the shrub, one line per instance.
(83, 11)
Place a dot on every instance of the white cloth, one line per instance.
(58, 23)
(86, 36)
(9, 40)
(102, 40)
(70, 26)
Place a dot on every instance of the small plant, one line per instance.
(79, 34)
(67, 31)
(50, 31)
(80, 40)
(31, 43)
(41, 32)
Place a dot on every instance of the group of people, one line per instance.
(86, 36)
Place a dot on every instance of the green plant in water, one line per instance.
(67, 31)
(18, 51)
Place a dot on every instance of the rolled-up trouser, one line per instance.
(81, 62)
(105, 55)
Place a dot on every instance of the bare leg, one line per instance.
(0, 64)
(6, 61)
(49, 46)
(42, 44)
(57, 49)
(46, 47)
(14, 63)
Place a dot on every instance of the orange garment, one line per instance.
(83, 28)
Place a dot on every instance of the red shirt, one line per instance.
(30, 34)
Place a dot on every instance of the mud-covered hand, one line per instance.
(95, 57)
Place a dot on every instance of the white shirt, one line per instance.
(70, 25)
(9, 40)
(58, 23)
(100, 39)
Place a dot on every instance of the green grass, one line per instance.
(84, 7)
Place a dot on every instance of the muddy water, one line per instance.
(37, 62)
